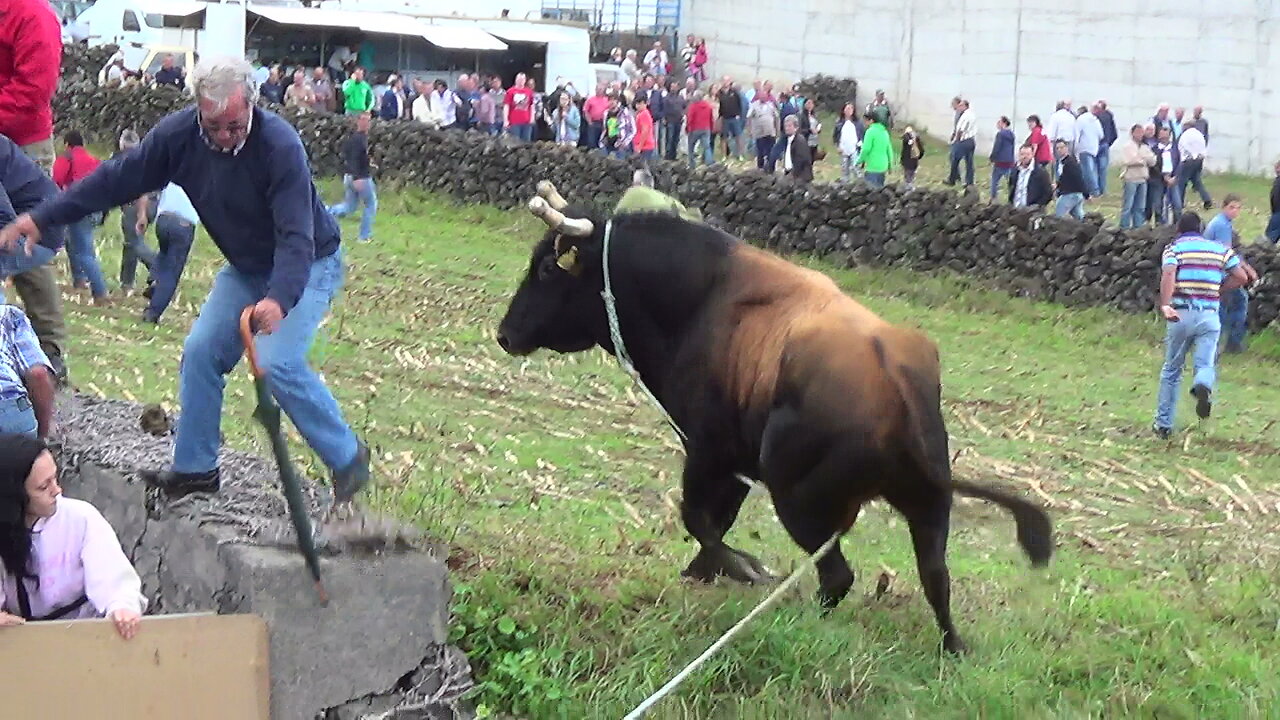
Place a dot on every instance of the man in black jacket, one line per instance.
(673, 107)
(1273, 225)
(1030, 186)
(1109, 136)
(357, 179)
(1071, 188)
(794, 155)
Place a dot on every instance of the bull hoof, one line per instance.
(736, 565)
(952, 643)
(830, 597)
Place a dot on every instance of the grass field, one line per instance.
(557, 487)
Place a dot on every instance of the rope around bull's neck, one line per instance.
(620, 351)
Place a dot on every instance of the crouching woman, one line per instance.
(59, 556)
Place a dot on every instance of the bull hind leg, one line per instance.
(712, 499)
(812, 494)
(812, 511)
(928, 514)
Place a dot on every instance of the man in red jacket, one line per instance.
(30, 61)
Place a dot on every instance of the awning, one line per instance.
(529, 32)
(451, 37)
(173, 8)
(459, 37)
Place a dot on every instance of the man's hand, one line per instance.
(126, 622)
(141, 227)
(7, 620)
(12, 232)
(1169, 313)
(267, 315)
(1251, 275)
(358, 185)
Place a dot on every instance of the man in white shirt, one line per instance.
(342, 56)
(656, 60)
(176, 221)
(1062, 124)
(630, 66)
(1088, 135)
(963, 142)
(1193, 148)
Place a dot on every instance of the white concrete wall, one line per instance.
(1018, 57)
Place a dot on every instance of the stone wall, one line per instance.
(1024, 253)
(377, 650)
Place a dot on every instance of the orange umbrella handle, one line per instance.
(246, 336)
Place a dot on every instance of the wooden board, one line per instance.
(177, 666)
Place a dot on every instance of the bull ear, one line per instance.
(568, 261)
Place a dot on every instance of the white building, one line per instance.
(1018, 57)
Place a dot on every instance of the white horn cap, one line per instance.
(573, 227)
(547, 191)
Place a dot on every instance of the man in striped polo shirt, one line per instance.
(1195, 271)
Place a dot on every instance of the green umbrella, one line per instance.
(268, 413)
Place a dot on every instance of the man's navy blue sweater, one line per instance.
(259, 205)
(23, 186)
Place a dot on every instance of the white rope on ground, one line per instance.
(671, 685)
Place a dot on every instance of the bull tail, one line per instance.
(917, 376)
(1035, 533)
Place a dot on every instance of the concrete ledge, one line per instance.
(377, 650)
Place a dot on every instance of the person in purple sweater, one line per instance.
(245, 170)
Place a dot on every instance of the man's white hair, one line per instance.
(217, 80)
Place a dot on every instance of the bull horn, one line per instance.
(547, 191)
(573, 227)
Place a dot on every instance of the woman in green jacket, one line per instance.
(877, 152)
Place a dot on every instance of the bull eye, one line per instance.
(547, 268)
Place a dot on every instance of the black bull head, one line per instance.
(558, 305)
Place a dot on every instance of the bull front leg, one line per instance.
(713, 495)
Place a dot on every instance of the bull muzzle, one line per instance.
(571, 227)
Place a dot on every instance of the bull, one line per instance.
(773, 374)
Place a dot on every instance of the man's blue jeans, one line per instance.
(1103, 159)
(1135, 205)
(875, 180)
(135, 248)
(671, 137)
(1234, 314)
(962, 150)
(1070, 204)
(368, 196)
(702, 137)
(176, 237)
(1273, 228)
(998, 174)
(18, 262)
(522, 132)
(1089, 169)
(17, 417)
(83, 256)
(213, 348)
(732, 128)
(1198, 329)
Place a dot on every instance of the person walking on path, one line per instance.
(877, 152)
(176, 222)
(1070, 186)
(1193, 271)
(962, 142)
(1136, 160)
(248, 177)
(1234, 304)
(1002, 155)
(134, 250)
(71, 167)
(357, 179)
